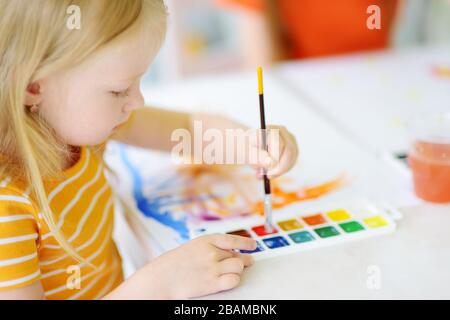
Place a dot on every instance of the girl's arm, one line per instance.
(151, 128)
(202, 266)
(31, 292)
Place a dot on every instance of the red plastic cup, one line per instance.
(429, 158)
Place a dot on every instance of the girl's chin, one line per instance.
(97, 141)
(119, 126)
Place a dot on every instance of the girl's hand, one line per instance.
(282, 146)
(282, 152)
(202, 266)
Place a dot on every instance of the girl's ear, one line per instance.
(33, 94)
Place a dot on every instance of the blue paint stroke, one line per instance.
(153, 207)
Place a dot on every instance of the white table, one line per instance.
(371, 97)
(412, 262)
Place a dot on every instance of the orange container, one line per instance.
(430, 165)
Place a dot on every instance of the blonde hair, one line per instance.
(36, 42)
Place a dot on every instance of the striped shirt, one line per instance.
(83, 207)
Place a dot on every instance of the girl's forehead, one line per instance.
(122, 60)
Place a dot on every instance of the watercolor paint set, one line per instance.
(321, 226)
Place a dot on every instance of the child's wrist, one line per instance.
(145, 283)
(149, 280)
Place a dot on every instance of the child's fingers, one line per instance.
(258, 155)
(260, 158)
(283, 166)
(281, 155)
(220, 254)
(228, 281)
(230, 242)
(246, 258)
(231, 265)
(288, 157)
(264, 165)
(276, 142)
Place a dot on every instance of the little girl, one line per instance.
(65, 90)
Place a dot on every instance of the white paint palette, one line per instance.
(318, 227)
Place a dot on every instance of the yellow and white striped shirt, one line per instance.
(83, 207)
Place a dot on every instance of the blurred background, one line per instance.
(214, 36)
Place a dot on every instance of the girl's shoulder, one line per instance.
(15, 198)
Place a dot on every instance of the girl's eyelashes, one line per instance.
(123, 93)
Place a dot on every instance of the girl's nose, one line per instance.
(136, 102)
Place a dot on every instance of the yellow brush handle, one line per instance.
(260, 81)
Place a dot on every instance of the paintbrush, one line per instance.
(267, 189)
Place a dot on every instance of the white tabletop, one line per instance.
(412, 262)
(371, 97)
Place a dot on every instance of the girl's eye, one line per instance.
(123, 93)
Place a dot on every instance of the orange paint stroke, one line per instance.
(242, 193)
(281, 198)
